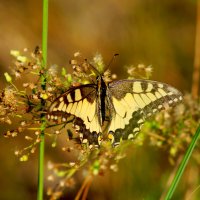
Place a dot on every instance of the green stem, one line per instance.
(182, 165)
(44, 32)
(43, 85)
(41, 167)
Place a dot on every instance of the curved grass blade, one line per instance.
(182, 166)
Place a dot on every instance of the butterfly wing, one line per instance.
(133, 101)
(80, 102)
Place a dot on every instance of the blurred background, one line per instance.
(157, 33)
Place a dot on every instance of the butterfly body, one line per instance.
(114, 110)
(101, 95)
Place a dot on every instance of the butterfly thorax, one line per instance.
(101, 98)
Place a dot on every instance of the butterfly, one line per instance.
(112, 110)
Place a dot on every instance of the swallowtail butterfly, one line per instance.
(112, 110)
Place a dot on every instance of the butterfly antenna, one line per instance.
(92, 67)
(111, 61)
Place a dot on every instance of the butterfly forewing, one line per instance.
(133, 101)
(80, 102)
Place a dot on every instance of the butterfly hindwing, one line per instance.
(133, 101)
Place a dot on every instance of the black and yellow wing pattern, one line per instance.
(81, 103)
(123, 105)
(134, 101)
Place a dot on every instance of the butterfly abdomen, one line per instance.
(101, 100)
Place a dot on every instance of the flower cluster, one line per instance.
(32, 101)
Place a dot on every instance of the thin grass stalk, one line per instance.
(43, 85)
(169, 181)
(85, 193)
(196, 71)
(84, 188)
(182, 166)
(195, 92)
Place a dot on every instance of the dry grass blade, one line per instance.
(84, 188)
(195, 83)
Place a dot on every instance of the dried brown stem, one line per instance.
(195, 82)
(85, 193)
(84, 188)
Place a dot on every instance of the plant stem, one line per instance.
(196, 71)
(84, 188)
(41, 167)
(182, 165)
(43, 85)
(44, 33)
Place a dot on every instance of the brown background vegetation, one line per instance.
(157, 33)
